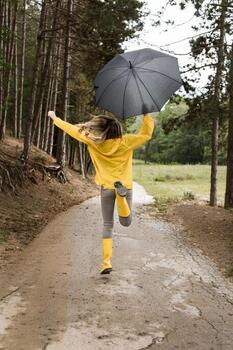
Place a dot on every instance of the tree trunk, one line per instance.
(217, 92)
(72, 153)
(22, 69)
(15, 124)
(45, 70)
(1, 56)
(29, 122)
(37, 134)
(146, 154)
(47, 108)
(82, 167)
(11, 19)
(55, 91)
(229, 178)
(65, 88)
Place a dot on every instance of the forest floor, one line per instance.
(162, 293)
(207, 228)
(24, 214)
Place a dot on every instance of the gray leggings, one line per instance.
(108, 198)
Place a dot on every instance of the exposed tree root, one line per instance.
(14, 173)
(11, 175)
(50, 170)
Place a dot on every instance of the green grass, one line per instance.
(174, 182)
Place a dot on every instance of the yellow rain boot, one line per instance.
(107, 254)
(122, 204)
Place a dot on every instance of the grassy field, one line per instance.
(172, 182)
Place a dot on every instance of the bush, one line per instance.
(188, 196)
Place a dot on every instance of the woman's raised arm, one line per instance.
(68, 128)
(144, 133)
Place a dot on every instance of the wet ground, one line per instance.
(161, 293)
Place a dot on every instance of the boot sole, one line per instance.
(106, 271)
(121, 190)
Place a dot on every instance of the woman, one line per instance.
(111, 153)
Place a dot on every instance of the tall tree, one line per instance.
(208, 48)
(65, 82)
(35, 82)
(9, 13)
(22, 71)
(15, 125)
(46, 67)
(229, 178)
(216, 101)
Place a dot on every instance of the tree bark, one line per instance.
(146, 154)
(15, 125)
(217, 93)
(37, 134)
(43, 80)
(47, 108)
(229, 177)
(54, 97)
(29, 122)
(65, 88)
(22, 69)
(2, 4)
(11, 14)
(82, 166)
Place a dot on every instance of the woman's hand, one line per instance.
(144, 109)
(52, 115)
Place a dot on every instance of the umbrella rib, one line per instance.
(105, 70)
(123, 105)
(155, 71)
(136, 56)
(117, 77)
(139, 90)
(148, 91)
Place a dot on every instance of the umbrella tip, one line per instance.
(130, 65)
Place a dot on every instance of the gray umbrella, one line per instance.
(137, 82)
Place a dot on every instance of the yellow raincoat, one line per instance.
(112, 158)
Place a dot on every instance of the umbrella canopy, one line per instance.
(137, 82)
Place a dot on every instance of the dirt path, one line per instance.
(161, 294)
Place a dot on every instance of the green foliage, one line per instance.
(105, 26)
(188, 196)
(162, 203)
(173, 177)
(182, 135)
(99, 29)
(102, 28)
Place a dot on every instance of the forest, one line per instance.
(51, 50)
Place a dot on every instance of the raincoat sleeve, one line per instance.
(144, 134)
(71, 130)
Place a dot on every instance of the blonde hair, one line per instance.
(101, 128)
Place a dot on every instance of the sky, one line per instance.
(156, 38)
